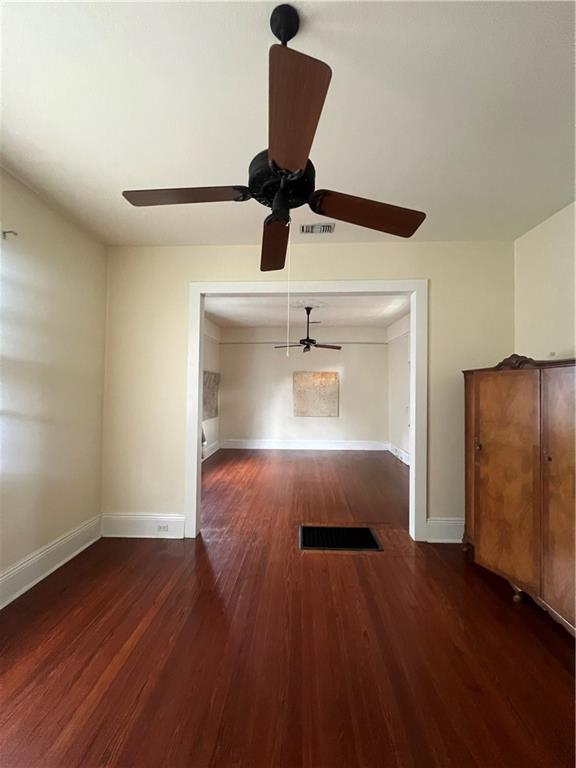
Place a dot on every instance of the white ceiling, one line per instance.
(461, 109)
(338, 310)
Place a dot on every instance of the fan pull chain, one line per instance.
(289, 265)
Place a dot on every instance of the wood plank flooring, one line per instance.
(237, 650)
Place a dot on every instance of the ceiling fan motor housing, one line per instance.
(264, 182)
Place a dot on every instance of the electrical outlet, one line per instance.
(163, 528)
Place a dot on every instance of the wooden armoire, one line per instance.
(520, 471)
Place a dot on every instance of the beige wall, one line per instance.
(256, 395)
(52, 314)
(470, 324)
(398, 336)
(211, 362)
(544, 288)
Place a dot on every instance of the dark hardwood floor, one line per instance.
(237, 650)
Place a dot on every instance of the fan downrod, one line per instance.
(284, 22)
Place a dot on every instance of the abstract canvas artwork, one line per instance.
(210, 398)
(316, 393)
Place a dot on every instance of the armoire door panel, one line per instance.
(558, 460)
(507, 475)
(469, 394)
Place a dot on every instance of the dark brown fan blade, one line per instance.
(285, 346)
(274, 244)
(327, 346)
(297, 88)
(391, 219)
(186, 195)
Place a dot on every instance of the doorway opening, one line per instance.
(270, 397)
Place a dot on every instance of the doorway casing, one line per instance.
(418, 292)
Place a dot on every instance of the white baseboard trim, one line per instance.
(445, 530)
(306, 445)
(21, 576)
(404, 456)
(143, 526)
(210, 449)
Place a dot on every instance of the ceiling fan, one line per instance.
(282, 177)
(308, 343)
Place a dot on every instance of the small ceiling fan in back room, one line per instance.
(282, 177)
(308, 343)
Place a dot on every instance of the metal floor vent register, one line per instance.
(337, 537)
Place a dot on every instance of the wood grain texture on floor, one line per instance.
(238, 650)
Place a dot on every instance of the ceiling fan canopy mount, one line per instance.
(284, 22)
(282, 177)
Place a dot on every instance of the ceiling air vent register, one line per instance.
(317, 229)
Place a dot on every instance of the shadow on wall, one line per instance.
(50, 428)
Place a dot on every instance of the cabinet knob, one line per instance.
(478, 446)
